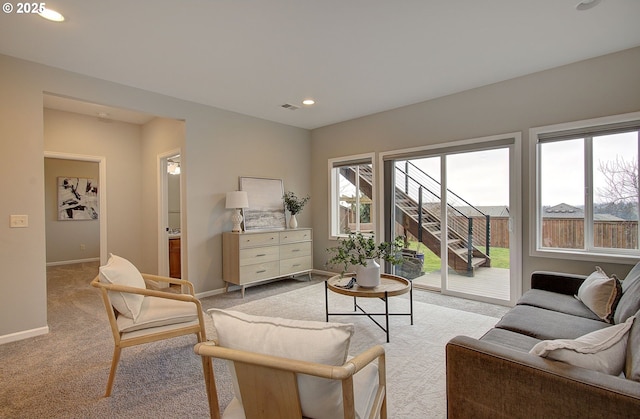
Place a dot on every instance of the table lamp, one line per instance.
(237, 200)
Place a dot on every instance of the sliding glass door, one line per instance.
(454, 207)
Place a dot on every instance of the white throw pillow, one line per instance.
(603, 350)
(601, 294)
(122, 272)
(320, 342)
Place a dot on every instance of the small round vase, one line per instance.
(293, 222)
(368, 276)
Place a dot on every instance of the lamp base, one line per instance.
(236, 218)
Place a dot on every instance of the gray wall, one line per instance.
(602, 86)
(218, 147)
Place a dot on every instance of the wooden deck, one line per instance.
(487, 282)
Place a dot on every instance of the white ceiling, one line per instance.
(354, 57)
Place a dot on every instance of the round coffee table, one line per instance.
(390, 286)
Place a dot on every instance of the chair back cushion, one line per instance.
(319, 342)
(120, 271)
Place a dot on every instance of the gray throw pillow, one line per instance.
(632, 365)
(629, 303)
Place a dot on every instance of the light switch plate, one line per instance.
(19, 221)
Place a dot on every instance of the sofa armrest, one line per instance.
(562, 283)
(485, 380)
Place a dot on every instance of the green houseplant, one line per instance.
(362, 252)
(294, 205)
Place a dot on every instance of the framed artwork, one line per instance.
(77, 199)
(266, 206)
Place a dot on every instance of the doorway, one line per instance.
(88, 245)
(170, 214)
(457, 208)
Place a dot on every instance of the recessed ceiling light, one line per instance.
(308, 102)
(52, 15)
(587, 4)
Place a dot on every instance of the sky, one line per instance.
(482, 177)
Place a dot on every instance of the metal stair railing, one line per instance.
(419, 186)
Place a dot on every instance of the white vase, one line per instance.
(293, 222)
(368, 276)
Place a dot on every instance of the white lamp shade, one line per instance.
(237, 199)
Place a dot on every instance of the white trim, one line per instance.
(334, 218)
(24, 334)
(535, 218)
(515, 204)
(73, 261)
(102, 195)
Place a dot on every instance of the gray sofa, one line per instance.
(496, 376)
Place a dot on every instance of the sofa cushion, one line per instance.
(320, 342)
(601, 294)
(557, 302)
(120, 271)
(632, 365)
(629, 303)
(602, 350)
(510, 339)
(547, 324)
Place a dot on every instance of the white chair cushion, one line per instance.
(156, 312)
(603, 350)
(320, 342)
(120, 271)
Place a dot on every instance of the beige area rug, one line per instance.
(63, 374)
(415, 354)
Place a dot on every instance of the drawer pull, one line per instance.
(295, 250)
(296, 265)
(261, 271)
(261, 254)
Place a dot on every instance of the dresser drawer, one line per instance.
(295, 250)
(291, 236)
(289, 266)
(251, 273)
(255, 255)
(261, 239)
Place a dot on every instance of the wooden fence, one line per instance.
(569, 233)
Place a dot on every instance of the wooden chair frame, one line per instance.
(122, 341)
(257, 372)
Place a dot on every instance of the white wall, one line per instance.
(69, 241)
(219, 147)
(598, 87)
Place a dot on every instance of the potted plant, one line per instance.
(362, 252)
(294, 205)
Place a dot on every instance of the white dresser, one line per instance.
(252, 257)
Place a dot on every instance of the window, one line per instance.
(352, 189)
(587, 197)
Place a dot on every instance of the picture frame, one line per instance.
(266, 205)
(77, 199)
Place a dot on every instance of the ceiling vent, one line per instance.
(290, 106)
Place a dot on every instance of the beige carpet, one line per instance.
(63, 374)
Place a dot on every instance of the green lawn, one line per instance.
(499, 257)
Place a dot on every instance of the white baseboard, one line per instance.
(71, 262)
(209, 293)
(25, 334)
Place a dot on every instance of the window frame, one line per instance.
(589, 127)
(333, 190)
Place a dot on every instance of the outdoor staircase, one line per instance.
(425, 225)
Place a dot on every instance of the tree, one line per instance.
(621, 177)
